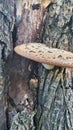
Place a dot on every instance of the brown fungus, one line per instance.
(41, 53)
(45, 3)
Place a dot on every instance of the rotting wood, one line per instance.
(18, 66)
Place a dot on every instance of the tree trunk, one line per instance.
(5, 50)
(18, 71)
(55, 110)
(54, 27)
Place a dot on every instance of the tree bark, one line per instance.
(5, 50)
(55, 111)
(18, 70)
(54, 27)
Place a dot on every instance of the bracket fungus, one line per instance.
(47, 56)
(45, 3)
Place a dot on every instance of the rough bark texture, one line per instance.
(5, 50)
(55, 92)
(55, 110)
(18, 71)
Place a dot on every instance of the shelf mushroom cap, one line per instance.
(41, 53)
(45, 3)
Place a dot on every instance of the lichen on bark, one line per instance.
(23, 121)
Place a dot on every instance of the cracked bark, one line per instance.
(55, 91)
(55, 110)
